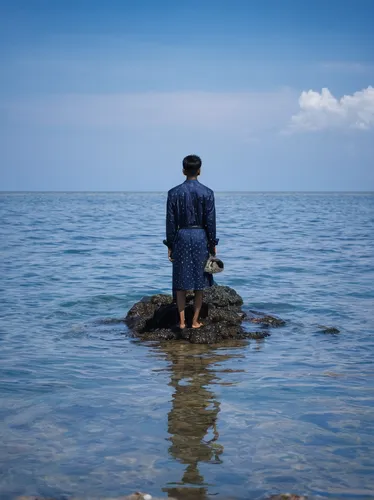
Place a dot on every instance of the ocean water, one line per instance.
(87, 411)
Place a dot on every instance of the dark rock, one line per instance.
(259, 318)
(328, 329)
(257, 335)
(145, 309)
(228, 316)
(222, 296)
(156, 318)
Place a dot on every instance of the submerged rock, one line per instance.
(156, 318)
(328, 329)
(267, 320)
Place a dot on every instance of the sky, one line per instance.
(110, 96)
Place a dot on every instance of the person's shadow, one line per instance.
(193, 418)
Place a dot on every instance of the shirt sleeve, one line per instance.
(210, 218)
(171, 227)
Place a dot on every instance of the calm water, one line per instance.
(87, 411)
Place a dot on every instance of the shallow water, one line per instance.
(87, 411)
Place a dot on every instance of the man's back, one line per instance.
(190, 236)
(190, 203)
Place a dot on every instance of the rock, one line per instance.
(222, 296)
(259, 318)
(156, 318)
(258, 335)
(328, 329)
(220, 315)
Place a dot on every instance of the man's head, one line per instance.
(191, 165)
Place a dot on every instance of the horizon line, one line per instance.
(26, 191)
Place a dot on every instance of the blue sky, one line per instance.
(101, 95)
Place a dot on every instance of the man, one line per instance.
(190, 237)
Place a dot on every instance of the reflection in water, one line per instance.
(192, 420)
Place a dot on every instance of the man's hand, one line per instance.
(169, 255)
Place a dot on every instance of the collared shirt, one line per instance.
(191, 204)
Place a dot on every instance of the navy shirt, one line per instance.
(191, 204)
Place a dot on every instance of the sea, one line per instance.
(87, 411)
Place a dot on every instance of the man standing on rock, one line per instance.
(190, 237)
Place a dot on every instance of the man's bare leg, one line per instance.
(198, 302)
(181, 305)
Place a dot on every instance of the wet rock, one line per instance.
(222, 296)
(257, 335)
(328, 329)
(220, 315)
(156, 318)
(267, 320)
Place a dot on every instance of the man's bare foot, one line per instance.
(197, 325)
(182, 326)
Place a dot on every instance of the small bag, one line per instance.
(214, 265)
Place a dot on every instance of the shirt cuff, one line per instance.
(169, 245)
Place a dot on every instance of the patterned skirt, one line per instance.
(190, 254)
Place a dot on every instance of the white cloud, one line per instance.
(246, 115)
(321, 111)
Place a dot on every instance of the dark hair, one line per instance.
(191, 164)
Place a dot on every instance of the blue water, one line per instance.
(87, 411)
